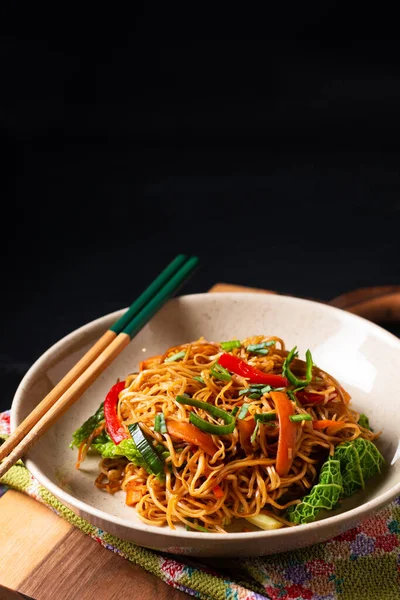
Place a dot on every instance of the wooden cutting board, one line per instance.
(42, 556)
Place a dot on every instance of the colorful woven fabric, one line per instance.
(363, 563)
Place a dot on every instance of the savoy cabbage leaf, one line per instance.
(352, 464)
(359, 460)
(363, 421)
(347, 455)
(323, 496)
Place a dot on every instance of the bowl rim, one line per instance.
(357, 513)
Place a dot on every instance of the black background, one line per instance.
(268, 145)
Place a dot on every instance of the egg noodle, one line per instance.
(209, 480)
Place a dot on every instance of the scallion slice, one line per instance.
(162, 451)
(235, 411)
(214, 411)
(253, 389)
(157, 423)
(266, 389)
(176, 356)
(300, 418)
(265, 417)
(292, 396)
(163, 425)
(264, 522)
(228, 346)
(243, 411)
(254, 434)
(153, 461)
(196, 527)
(245, 391)
(199, 379)
(260, 348)
(260, 389)
(257, 386)
(286, 371)
(220, 372)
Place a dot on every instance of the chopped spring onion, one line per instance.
(299, 418)
(255, 391)
(248, 391)
(266, 389)
(254, 434)
(264, 522)
(265, 417)
(260, 348)
(163, 425)
(204, 425)
(175, 357)
(199, 379)
(243, 411)
(257, 386)
(228, 346)
(162, 451)
(153, 461)
(292, 396)
(235, 411)
(196, 527)
(220, 372)
(286, 371)
(157, 423)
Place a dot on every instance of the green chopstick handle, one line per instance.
(144, 298)
(170, 288)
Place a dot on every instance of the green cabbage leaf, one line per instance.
(342, 475)
(323, 496)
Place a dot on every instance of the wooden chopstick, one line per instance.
(99, 357)
(95, 351)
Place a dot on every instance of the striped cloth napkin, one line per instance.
(363, 563)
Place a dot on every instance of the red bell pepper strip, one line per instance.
(114, 427)
(242, 368)
(310, 398)
(189, 433)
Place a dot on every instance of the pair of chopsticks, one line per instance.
(96, 360)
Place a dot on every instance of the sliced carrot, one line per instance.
(189, 433)
(84, 447)
(287, 433)
(132, 497)
(81, 454)
(218, 491)
(323, 423)
(246, 428)
(151, 362)
(96, 432)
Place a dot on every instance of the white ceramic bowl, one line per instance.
(364, 357)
